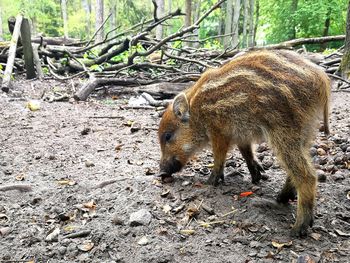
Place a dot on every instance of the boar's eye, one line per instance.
(167, 136)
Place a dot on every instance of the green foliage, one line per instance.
(277, 20)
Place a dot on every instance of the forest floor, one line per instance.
(93, 195)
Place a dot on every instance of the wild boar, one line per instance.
(262, 95)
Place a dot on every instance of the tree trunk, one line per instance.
(1, 32)
(292, 32)
(228, 24)
(327, 24)
(64, 17)
(235, 23)
(245, 22)
(256, 20)
(188, 18)
(113, 11)
(160, 13)
(197, 13)
(5, 85)
(251, 24)
(27, 49)
(345, 62)
(87, 8)
(99, 21)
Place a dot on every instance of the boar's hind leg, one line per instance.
(293, 155)
(220, 146)
(287, 193)
(254, 167)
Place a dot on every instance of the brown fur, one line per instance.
(273, 95)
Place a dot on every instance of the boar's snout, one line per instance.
(168, 167)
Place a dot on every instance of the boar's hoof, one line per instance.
(255, 170)
(167, 179)
(301, 230)
(214, 178)
(284, 196)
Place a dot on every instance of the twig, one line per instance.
(105, 183)
(83, 233)
(98, 29)
(338, 77)
(188, 60)
(19, 187)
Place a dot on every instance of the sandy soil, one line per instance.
(89, 173)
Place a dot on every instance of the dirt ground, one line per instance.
(87, 174)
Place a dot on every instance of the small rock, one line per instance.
(116, 220)
(141, 217)
(53, 236)
(321, 152)
(85, 131)
(344, 146)
(8, 171)
(89, 163)
(135, 126)
(305, 259)
(185, 183)
(262, 148)
(267, 162)
(348, 149)
(62, 250)
(338, 176)
(143, 241)
(321, 176)
(4, 231)
(313, 151)
(86, 246)
(338, 159)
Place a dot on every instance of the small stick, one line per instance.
(19, 187)
(83, 233)
(105, 183)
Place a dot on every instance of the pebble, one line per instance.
(62, 250)
(89, 163)
(321, 152)
(321, 175)
(267, 162)
(143, 241)
(338, 159)
(135, 126)
(313, 151)
(141, 217)
(116, 220)
(344, 146)
(185, 183)
(262, 148)
(338, 176)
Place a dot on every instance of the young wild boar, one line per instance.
(272, 95)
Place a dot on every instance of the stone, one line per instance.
(141, 217)
(143, 241)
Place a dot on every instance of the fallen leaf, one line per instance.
(187, 231)
(167, 209)
(315, 236)
(281, 245)
(69, 228)
(20, 177)
(53, 235)
(165, 193)
(179, 208)
(118, 147)
(157, 183)
(245, 194)
(86, 246)
(33, 105)
(90, 205)
(66, 182)
(192, 212)
(198, 185)
(31, 261)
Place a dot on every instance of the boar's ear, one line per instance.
(181, 107)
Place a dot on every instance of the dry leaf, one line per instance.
(20, 177)
(86, 246)
(33, 105)
(281, 245)
(157, 183)
(90, 205)
(69, 228)
(66, 182)
(187, 231)
(245, 194)
(53, 235)
(315, 236)
(211, 165)
(192, 212)
(167, 209)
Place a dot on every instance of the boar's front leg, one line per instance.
(254, 167)
(220, 145)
